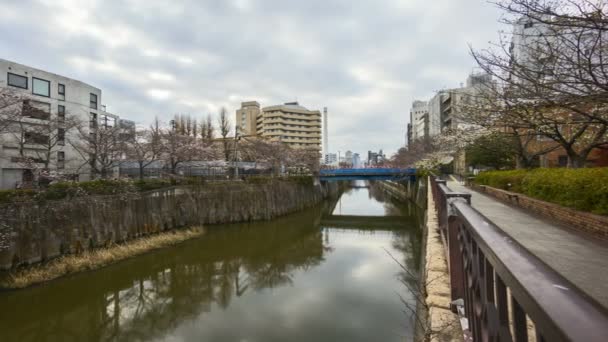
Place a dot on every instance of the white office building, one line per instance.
(44, 100)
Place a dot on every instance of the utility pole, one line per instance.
(237, 137)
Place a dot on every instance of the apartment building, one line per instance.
(246, 118)
(419, 121)
(289, 123)
(40, 133)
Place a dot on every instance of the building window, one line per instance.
(41, 87)
(93, 102)
(61, 136)
(562, 161)
(61, 91)
(61, 113)
(17, 81)
(93, 121)
(60, 159)
(36, 138)
(36, 110)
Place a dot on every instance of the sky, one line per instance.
(364, 60)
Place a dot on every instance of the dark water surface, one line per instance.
(320, 275)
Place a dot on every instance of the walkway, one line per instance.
(577, 258)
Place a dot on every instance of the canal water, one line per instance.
(324, 274)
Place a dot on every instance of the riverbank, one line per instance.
(33, 233)
(435, 321)
(95, 259)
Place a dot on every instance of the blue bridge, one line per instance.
(367, 174)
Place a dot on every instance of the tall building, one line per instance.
(356, 160)
(44, 100)
(419, 121)
(291, 124)
(246, 117)
(325, 133)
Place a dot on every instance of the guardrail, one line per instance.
(504, 286)
(367, 172)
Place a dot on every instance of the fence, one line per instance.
(209, 173)
(508, 293)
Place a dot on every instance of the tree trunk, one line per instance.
(141, 171)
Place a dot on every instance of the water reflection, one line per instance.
(288, 279)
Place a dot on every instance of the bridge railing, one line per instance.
(509, 294)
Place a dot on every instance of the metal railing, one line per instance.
(508, 292)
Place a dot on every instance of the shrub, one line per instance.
(506, 180)
(581, 189)
(302, 180)
(258, 180)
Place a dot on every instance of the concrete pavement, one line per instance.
(576, 257)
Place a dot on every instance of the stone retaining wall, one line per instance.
(435, 322)
(34, 232)
(579, 220)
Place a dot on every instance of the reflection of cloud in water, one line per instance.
(268, 281)
(351, 296)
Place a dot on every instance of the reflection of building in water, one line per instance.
(149, 296)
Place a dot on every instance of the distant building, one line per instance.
(331, 159)
(49, 98)
(375, 158)
(419, 121)
(289, 123)
(356, 160)
(246, 117)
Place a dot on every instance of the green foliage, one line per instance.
(152, 184)
(581, 189)
(507, 180)
(258, 180)
(302, 180)
(495, 151)
(97, 187)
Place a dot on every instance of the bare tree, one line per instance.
(145, 146)
(100, 148)
(225, 127)
(303, 158)
(51, 135)
(552, 75)
(210, 131)
(11, 104)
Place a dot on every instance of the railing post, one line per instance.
(455, 257)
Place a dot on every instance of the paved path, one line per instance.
(578, 258)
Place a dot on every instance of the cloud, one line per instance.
(365, 60)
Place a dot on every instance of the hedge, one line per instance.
(97, 187)
(111, 187)
(582, 189)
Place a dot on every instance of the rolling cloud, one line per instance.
(365, 60)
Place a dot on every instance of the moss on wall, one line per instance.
(34, 232)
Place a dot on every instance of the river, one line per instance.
(324, 274)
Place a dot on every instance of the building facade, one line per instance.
(289, 123)
(419, 121)
(54, 112)
(246, 117)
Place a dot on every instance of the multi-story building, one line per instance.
(246, 117)
(374, 158)
(41, 133)
(356, 160)
(289, 123)
(419, 121)
(331, 159)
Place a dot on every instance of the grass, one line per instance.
(94, 259)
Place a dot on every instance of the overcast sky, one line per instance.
(365, 60)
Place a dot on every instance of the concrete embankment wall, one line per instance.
(34, 232)
(435, 321)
